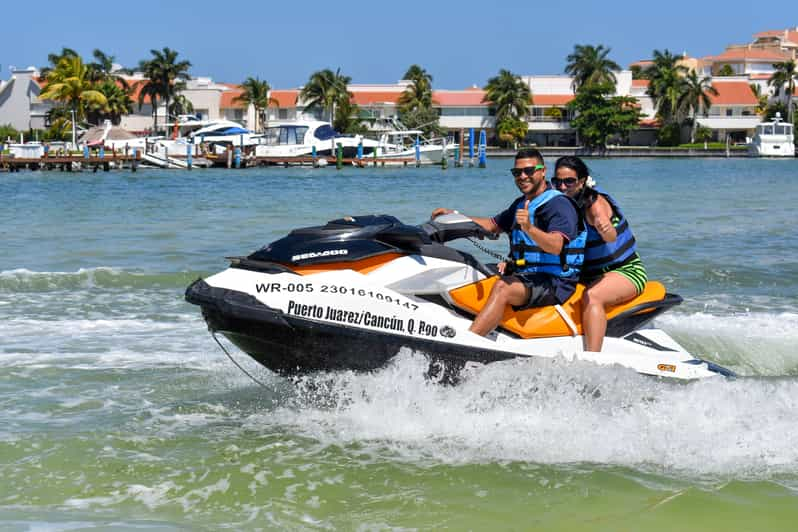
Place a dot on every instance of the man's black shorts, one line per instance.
(541, 289)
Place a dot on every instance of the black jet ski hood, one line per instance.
(346, 239)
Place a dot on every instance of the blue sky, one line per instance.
(460, 43)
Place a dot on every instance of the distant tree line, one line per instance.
(94, 91)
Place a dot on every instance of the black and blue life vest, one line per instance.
(532, 259)
(599, 254)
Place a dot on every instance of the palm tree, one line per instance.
(590, 65)
(118, 102)
(257, 94)
(415, 72)
(180, 106)
(510, 98)
(509, 95)
(324, 89)
(419, 94)
(695, 96)
(54, 59)
(166, 77)
(761, 99)
(68, 83)
(666, 84)
(103, 68)
(783, 80)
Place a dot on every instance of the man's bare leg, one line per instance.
(506, 291)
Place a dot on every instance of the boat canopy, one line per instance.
(325, 132)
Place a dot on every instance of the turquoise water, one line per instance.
(117, 410)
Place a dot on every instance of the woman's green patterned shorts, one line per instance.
(632, 269)
(635, 272)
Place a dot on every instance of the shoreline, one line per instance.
(630, 152)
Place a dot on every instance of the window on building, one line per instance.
(729, 112)
(282, 114)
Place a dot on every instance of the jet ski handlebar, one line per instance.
(448, 227)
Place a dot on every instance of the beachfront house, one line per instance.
(20, 105)
(733, 110)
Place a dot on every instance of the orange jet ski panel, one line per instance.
(543, 322)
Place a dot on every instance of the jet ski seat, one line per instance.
(543, 322)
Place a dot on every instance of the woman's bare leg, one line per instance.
(612, 289)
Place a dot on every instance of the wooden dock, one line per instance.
(331, 161)
(70, 162)
(77, 162)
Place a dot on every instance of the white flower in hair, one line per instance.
(590, 182)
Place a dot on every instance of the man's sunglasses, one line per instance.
(529, 170)
(568, 181)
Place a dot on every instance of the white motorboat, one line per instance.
(773, 139)
(302, 137)
(405, 144)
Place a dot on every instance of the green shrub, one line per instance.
(669, 135)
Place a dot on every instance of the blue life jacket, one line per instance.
(567, 264)
(599, 254)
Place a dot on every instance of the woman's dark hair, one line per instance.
(574, 163)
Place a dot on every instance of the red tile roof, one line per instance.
(466, 98)
(733, 93)
(376, 97)
(285, 98)
(750, 54)
(640, 83)
(551, 99)
(228, 99)
(135, 90)
(792, 35)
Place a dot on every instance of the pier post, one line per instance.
(471, 147)
(339, 156)
(229, 158)
(314, 161)
(483, 146)
(459, 154)
(188, 155)
(237, 157)
(135, 162)
(418, 152)
(360, 153)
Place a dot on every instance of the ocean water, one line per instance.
(119, 412)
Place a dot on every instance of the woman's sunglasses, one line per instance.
(568, 181)
(528, 170)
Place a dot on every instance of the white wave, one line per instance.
(555, 412)
(753, 343)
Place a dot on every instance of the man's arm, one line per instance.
(550, 242)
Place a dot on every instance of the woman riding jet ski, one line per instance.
(348, 295)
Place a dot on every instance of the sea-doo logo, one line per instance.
(447, 332)
(666, 367)
(317, 254)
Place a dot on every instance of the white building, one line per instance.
(19, 100)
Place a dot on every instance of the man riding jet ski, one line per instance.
(348, 295)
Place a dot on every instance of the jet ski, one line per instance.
(350, 294)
